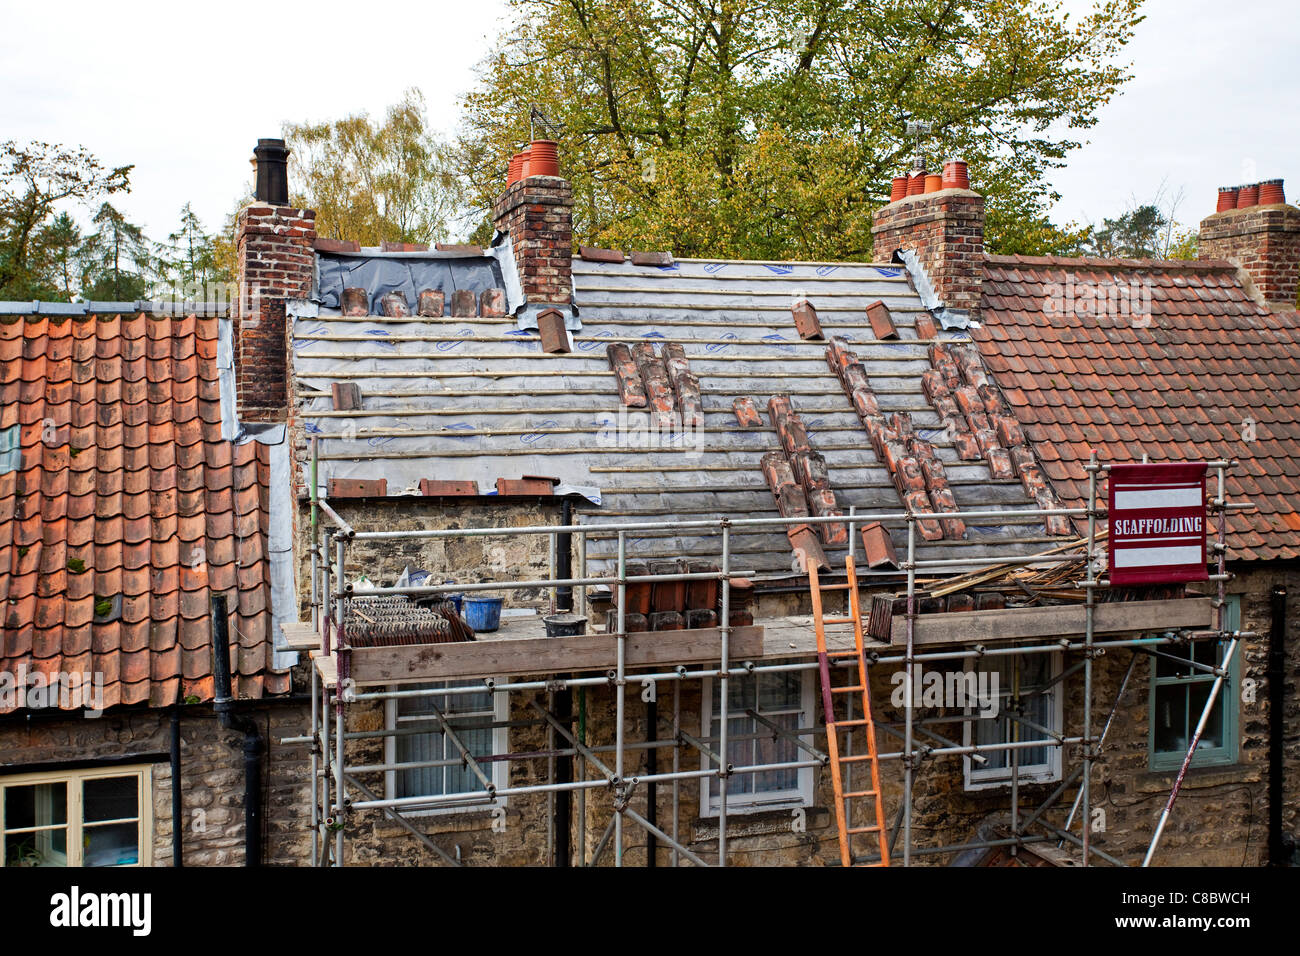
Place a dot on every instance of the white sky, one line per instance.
(184, 92)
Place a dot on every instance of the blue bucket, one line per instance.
(483, 613)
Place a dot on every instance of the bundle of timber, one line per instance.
(1009, 586)
(396, 619)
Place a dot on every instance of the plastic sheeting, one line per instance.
(409, 273)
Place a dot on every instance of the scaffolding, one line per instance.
(338, 792)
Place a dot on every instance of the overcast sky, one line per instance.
(184, 92)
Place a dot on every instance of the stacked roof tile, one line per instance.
(1173, 360)
(122, 510)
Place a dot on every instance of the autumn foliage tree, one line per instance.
(36, 180)
(374, 181)
(771, 128)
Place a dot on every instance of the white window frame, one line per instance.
(739, 803)
(984, 778)
(496, 770)
(76, 825)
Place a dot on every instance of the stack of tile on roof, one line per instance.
(1207, 374)
(475, 399)
(122, 509)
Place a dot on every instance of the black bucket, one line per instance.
(565, 625)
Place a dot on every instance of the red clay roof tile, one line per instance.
(132, 478)
(1178, 387)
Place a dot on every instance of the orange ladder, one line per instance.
(843, 807)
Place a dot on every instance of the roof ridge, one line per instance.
(1166, 265)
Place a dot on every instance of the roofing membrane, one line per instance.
(476, 399)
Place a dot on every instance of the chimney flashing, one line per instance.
(939, 237)
(534, 223)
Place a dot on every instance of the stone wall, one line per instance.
(212, 787)
(464, 559)
(1221, 817)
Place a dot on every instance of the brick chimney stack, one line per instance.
(1262, 239)
(273, 247)
(537, 213)
(945, 230)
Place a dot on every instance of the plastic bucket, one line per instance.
(565, 625)
(483, 613)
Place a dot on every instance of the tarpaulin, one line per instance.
(1157, 523)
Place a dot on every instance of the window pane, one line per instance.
(1208, 652)
(36, 805)
(780, 750)
(777, 692)
(42, 848)
(1027, 673)
(1212, 736)
(1170, 718)
(417, 748)
(741, 695)
(447, 703)
(113, 798)
(113, 844)
(993, 730)
(1167, 668)
(460, 778)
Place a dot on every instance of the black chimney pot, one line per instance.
(272, 159)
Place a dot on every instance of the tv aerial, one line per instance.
(917, 130)
(537, 120)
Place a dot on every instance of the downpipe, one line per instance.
(224, 705)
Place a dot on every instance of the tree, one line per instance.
(375, 181)
(771, 128)
(188, 258)
(1148, 230)
(116, 260)
(34, 180)
(59, 252)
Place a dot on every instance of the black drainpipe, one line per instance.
(178, 814)
(564, 698)
(1278, 850)
(224, 705)
(652, 789)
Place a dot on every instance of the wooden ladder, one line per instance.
(861, 685)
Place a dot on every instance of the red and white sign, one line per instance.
(1157, 524)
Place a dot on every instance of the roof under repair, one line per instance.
(476, 399)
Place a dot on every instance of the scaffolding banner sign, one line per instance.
(1157, 524)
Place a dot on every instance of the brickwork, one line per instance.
(946, 232)
(274, 252)
(1263, 240)
(537, 213)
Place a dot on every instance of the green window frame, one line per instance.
(1177, 697)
